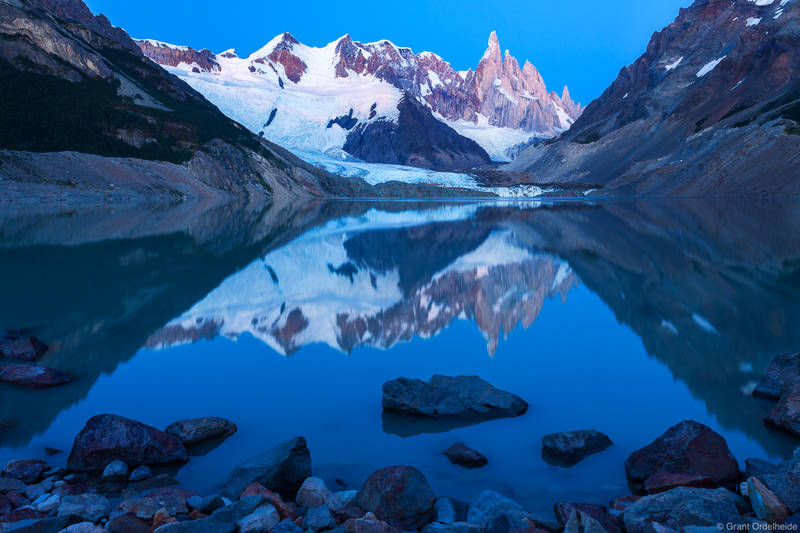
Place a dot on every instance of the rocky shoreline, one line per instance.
(115, 478)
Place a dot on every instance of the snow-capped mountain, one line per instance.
(359, 282)
(312, 99)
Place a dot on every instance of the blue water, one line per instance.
(580, 364)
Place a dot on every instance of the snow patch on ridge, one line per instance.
(708, 67)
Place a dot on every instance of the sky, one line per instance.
(580, 43)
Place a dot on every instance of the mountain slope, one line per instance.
(712, 107)
(416, 139)
(308, 99)
(70, 81)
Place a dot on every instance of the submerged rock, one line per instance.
(198, 430)
(22, 349)
(570, 447)
(34, 377)
(106, 438)
(688, 448)
(281, 469)
(462, 455)
(399, 495)
(460, 397)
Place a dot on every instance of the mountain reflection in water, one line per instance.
(712, 289)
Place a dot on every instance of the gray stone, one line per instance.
(570, 447)
(210, 504)
(262, 520)
(579, 522)
(459, 397)
(681, 507)
(444, 511)
(318, 517)
(281, 469)
(287, 526)
(8, 484)
(141, 473)
(116, 470)
(758, 467)
(313, 493)
(198, 430)
(206, 525)
(786, 486)
(44, 525)
(238, 510)
(48, 503)
(34, 491)
(194, 502)
(399, 495)
(340, 499)
(452, 527)
(90, 507)
(83, 527)
(490, 505)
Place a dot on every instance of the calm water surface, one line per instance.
(626, 317)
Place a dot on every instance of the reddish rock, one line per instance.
(5, 505)
(106, 438)
(26, 470)
(34, 377)
(623, 502)
(22, 349)
(348, 512)
(462, 455)
(766, 504)
(688, 448)
(664, 481)
(563, 511)
(197, 514)
(284, 510)
(160, 518)
(399, 495)
(165, 54)
(282, 55)
(17, 499)
(127, 523)
(570, 447)
(785, 414)
(781, 375)
(198, 430)
(23, 513)
(362, 525)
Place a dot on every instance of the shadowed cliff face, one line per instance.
(712, 290)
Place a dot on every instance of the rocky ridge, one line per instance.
(711, 107)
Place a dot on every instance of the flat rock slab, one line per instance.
(570, 447)
(459, 397)
(106, 438)
(462, 455)
(785, 414)
(198, 430)
(34, 377)
(26, 470)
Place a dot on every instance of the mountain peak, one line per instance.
(494, 42)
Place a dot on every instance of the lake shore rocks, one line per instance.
(569, 448)
(688, 451)
(107, 438)
(459, 397)
(462, 455)
(781, 382)
(33, 377)
(37, 498)
(198, 430)
(281, 469)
